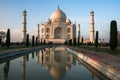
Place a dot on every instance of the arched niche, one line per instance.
(58, 33)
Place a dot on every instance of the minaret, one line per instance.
(92, 26)
(24, 26)
(38, 33)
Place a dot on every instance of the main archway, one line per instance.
(58, 33)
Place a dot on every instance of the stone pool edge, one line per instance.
(10, 53)
(105, 69)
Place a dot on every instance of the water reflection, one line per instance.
(37, 57)
(27, 57)
(23, 65)
(93, 73)
(32, 54)
(49, 64)
(5, 70)
(57, 61)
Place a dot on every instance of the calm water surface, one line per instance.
(48, 64)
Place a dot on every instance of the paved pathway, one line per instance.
(112, 61)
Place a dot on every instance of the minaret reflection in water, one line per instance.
(23, 63)
(37, 57)
(57, 61)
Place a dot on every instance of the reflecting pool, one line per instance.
(48, 64)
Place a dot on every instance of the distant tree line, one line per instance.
(36, 42)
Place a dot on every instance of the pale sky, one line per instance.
(78, 11)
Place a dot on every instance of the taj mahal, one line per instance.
(58, 28)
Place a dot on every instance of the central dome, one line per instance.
(58, 15)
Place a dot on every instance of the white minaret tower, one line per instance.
(24, 26)
(92, 26)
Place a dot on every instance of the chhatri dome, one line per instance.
(58, 15)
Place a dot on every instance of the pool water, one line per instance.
(48, 64)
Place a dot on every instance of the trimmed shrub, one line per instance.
(78, 40)
(113, 35)
(0, 41)
(27, 41)
(74, 41)
(44, 42)
(70, 42)
(8, 38)
(82, 40)
(36, 41)
(33, 41)
(96, 40)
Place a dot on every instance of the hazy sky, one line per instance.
(78, 11)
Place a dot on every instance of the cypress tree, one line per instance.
(74, 41)
(78, 40)
(82, 40)
(36, 41)
(0, 41)
(8, 38)
(33, 44)
(44, 42)
(27, 41)
(96, 40)
(70, 42)
(113, 35)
